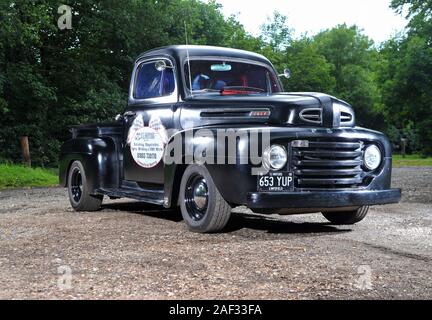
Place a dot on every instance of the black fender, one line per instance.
(99, 157)
(222, 165)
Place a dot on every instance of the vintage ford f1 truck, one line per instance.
(207, 129)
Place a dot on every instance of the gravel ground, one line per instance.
(136, 251)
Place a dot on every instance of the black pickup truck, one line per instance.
(207, 129)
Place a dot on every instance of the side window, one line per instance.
(151, 83)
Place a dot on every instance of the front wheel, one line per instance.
(347, 217)
(202, 206)
(78, 190)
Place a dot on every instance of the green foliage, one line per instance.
(237, 37)
(419, 14)
(409, 132)
(276, 32)
(352, 57)
(15, 176)
(311, 72)
(406, 75)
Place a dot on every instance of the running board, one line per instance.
(145, 195)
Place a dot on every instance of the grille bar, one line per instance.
(335, 172)
(327, 154)
(326, 163)
(332, 145)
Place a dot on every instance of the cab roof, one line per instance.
(179, 52)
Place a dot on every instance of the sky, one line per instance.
(375, 17)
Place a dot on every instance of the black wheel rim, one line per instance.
(76, 185)
(196, 197)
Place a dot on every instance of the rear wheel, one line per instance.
(202, 206)
(347, 217)
(79, 196)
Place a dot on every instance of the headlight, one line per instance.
(372, 157)
(275, 158)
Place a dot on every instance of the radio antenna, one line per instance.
(188, 59)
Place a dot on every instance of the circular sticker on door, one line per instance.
(147, 147)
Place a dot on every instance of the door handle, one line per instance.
(129, 113)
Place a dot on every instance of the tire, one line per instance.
(347, 217)
(202, 206)
(78, 190)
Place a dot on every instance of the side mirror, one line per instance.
(286, 73)
(118, 117)
(160, 65)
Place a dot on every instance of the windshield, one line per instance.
(229, 77)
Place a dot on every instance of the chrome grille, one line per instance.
(328, 164)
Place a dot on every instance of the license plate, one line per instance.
(276, 182)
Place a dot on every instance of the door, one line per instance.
(148, 119)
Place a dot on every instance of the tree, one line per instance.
(419, 15)
(353, 58)
(275, 38)
(237, 37)
(276, 32)
(26, 94)
(309, 68)
(406, 75)
(406, 86)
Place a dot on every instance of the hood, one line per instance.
(281, 109)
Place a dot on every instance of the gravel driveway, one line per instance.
(136, 251)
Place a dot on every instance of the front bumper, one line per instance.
(321, 199)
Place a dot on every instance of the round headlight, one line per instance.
(372, 157)
(275, 157)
